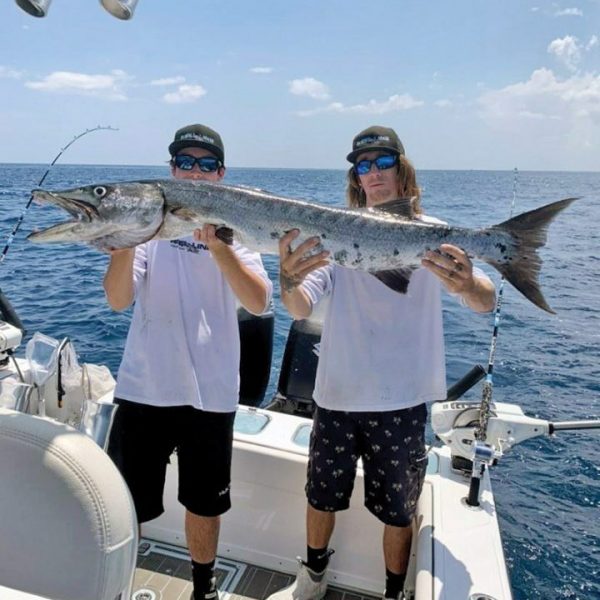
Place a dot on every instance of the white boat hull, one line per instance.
(457, 551)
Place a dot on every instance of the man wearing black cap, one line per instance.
(177, 386)
(381, 361)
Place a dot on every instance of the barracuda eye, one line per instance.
(100, 191)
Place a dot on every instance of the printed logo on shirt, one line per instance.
(316, 349)
(194, 247)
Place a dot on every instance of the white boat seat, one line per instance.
(68, 528)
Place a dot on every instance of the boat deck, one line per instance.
(164, 573)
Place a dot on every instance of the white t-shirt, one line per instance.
(380, 350)
(183, 346)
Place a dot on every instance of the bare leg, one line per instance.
(202, 534)
(319, 527)
(396, 548)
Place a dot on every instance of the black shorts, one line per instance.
(392, 447)
(143, 438)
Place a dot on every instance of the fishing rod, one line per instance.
(483, 454)
(12, 234)
(6, 310)
(509, 428)
(486, 395)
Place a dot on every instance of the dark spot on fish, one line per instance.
(341, 256)
(396, 251)
(356, 245)
(323, 236)
(501, 247)
(274, 235)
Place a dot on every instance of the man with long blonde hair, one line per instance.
(381, 361)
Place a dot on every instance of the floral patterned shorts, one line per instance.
(392, 448)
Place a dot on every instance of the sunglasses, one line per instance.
(386, 161)
(207, 164)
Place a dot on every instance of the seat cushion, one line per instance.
(67, 523)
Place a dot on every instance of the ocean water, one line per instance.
(547, 489)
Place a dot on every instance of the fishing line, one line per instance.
(12, 234)
(486, 395)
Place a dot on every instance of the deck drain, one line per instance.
(144, 595)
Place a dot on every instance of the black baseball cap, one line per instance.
(375, 138)
(199, 136)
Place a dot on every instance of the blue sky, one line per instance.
(481, 84)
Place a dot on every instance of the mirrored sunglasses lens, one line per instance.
(363, 167)
(208, 165)
(184, 162)
(385, 162)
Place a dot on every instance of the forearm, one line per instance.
(118, 281)
(249, 287)
(296, 301)
(481, 296)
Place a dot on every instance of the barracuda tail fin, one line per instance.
(529, 231)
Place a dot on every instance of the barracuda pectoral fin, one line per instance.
(395, 279)
(181, 220)
(184, 214)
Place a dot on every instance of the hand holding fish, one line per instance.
(452, 266)
(455, 269)
(207, 235)
(295, 265)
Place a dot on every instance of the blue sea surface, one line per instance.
(547, 489)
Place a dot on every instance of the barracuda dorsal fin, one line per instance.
(395, 279)
(399, 207)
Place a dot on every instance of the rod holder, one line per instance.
(122, 9)
(36, 8)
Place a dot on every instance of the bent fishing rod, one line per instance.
(7, 311)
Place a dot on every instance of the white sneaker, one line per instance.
(308, 585)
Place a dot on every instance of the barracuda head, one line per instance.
(107, 216)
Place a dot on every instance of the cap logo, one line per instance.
(370, 139)
(197, 137)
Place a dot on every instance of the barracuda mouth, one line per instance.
(77, 208)
(83, 213)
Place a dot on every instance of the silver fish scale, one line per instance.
(356, 238)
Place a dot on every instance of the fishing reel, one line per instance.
(456, 425)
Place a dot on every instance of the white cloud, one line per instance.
(592, 43)
(8, 73)
(309, 87)
(544, 96)
(569, 12)
(185, 94)
(443, 103)
(567, 50)
(261, 70)
(373, 107)
(168, 81)
(66, 82)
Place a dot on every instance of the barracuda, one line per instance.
(382, 240)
